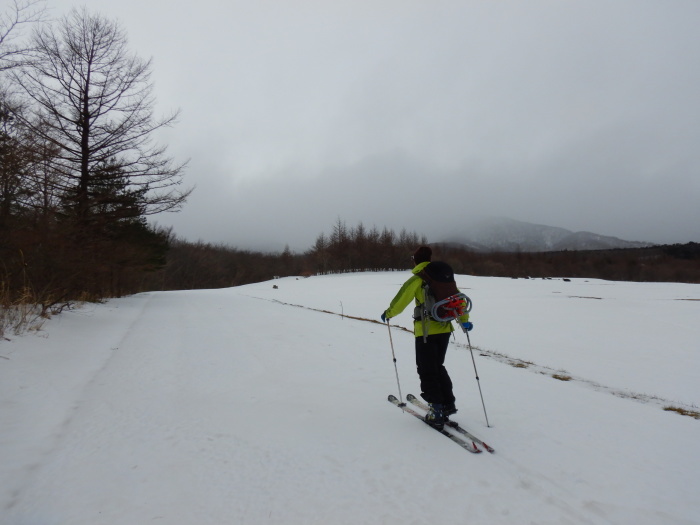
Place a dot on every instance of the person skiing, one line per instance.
(435, 382)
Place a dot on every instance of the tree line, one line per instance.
(197, 265)
(352, 249)
(664, 263)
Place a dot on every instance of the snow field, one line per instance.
(235, 406)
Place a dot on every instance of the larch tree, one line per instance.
(89, 102)
(93, 100)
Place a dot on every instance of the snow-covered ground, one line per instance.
(259, 404)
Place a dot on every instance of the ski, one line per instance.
(467, 445)
(452, 424)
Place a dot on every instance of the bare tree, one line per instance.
(19, 14)
(92, 100)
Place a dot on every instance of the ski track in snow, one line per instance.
(561, 375)
(59, 421)
(217, 407)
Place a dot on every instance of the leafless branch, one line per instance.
(21, 13)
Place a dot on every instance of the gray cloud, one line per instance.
(575, 114)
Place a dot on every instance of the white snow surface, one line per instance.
(267, 405)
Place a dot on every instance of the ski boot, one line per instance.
(436, 416)
(449, 409)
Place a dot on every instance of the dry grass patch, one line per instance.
(562, 377)
(683, 411)
(519, 364)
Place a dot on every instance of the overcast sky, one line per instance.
(420, 114)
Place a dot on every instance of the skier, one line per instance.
(435, 382)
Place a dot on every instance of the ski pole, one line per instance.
(477, 378)
(393, 355)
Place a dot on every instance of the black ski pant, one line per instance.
(435, 382)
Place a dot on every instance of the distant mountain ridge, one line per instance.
(508, 235)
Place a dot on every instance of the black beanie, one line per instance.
(423, 254)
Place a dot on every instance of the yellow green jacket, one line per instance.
(412, 289)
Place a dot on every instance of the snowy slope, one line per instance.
(264, 405)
